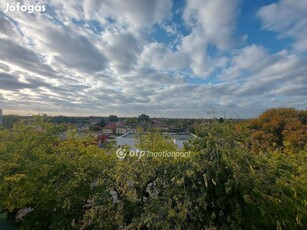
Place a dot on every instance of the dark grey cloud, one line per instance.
(75, 51)
(23, 57)
(13, 83)
(123, 50)
(6, 27)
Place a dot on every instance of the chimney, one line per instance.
(1, 123)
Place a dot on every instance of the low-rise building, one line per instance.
(121, 129)
(82, 127)
(131, 129)
(162, 126)
(109, 129)
(115, 128)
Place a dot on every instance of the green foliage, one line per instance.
(131, 121)
(72, 184)
(144, 118)
(113, 118)
(10, 120)
(102, 122)
(278, 128)
(247, 191)
(54, 177)
(155, 141)
(95, 128)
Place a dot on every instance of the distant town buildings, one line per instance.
(120, 132)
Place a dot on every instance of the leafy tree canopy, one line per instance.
(144, 117)
(67, 182)
(278, 128)
(113, 118)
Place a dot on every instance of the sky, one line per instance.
(193, 58)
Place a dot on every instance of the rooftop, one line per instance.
(177, 136)
(110, 126)
(130, 138)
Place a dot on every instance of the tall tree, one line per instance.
(102, 122)
(278, 128)
(113, 118)
(143, 118)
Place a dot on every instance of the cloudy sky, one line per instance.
(160, 57)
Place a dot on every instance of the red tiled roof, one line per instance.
(110, 126)
(114, 125)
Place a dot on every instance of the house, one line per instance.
(115, 128)
(131, 129)
(162, 126)
(109, 129)
(120, 128)
(82, 127)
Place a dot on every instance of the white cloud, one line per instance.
(133, 13)
(289, 19)
(281, 71)
(194, 46)
(159, 56)
(212, 23)
(216, 20)
(250, 58)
